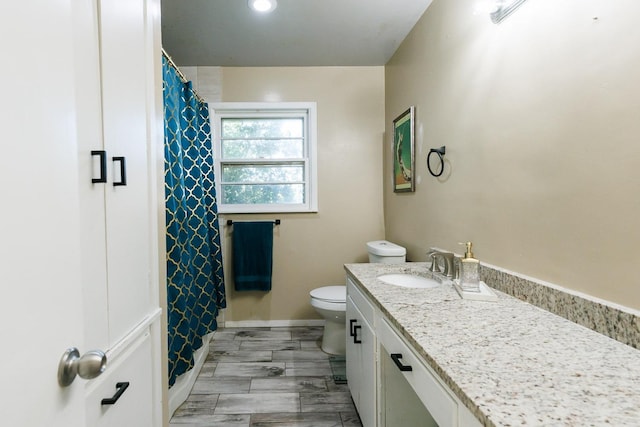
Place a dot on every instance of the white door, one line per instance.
(41, 311)
(112, 98)
(124, 57)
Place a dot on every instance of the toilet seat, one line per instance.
(331, 294)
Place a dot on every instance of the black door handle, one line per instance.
(351, 322)
(123, 171)
(103, 165)
(355, 334)
(396, 359)
(120, 389)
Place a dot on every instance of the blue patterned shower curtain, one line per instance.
(195, 279)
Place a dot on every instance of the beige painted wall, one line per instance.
(541, 119)
(310, 249)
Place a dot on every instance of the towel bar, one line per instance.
(275, 222)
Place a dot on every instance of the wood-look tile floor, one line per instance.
(267, 377)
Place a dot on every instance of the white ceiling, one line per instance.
(297, 33)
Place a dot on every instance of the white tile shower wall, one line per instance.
(191, 73)
(207, 81)
(210, 83)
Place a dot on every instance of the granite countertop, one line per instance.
(509, 362)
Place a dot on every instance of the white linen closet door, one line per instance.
(113, 54)
(92, 194)
(125, 54)
(112, 62)
(41, 314)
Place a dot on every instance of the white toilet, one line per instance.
(331, 301)
(381, 251)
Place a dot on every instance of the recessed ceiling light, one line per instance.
(263, 6)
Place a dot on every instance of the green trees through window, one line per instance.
(263, 157)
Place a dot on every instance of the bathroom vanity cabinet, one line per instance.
(390, 384)
(473, 363)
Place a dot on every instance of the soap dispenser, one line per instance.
(469, 271)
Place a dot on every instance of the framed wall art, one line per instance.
(403, 152)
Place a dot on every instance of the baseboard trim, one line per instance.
(272, 323)
(180, 390)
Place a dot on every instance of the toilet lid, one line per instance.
(330, 293)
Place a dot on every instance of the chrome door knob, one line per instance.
(88, 366)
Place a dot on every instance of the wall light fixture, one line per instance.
(263, 6)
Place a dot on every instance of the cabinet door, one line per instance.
(41, 286)
(115, 221)
(360, 359)
(124, 54)
(419, 383)
(400, 405)
(112, 118)
(129, 379)
(92, 203)
(353, 355)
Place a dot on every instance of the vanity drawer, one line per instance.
(361, 301)
(436, 399)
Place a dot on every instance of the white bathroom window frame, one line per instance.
(305, 110)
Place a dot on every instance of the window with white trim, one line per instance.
(265, 157)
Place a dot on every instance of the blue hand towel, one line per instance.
(252, 255)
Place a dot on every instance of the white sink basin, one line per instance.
(408, 280)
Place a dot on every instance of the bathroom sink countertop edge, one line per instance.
(509, 362)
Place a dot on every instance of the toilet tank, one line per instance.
(381, 251)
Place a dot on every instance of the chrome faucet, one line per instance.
(456, 267)
(434, 268)
(448, 258)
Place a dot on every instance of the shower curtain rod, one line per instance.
(182, 76)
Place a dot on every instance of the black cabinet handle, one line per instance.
(351, 322)
(103, 165)
(123, 171)
(355, 334)
(120, 389)
(396, 359)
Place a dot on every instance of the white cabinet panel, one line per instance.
(113, 117)
(399, 405)
(41, 312)
(362, 302)
(132, 407)
(360, 358)
(124, 52)
(436, 399)
(92, 204)
(116, 102)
